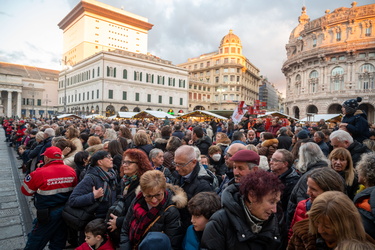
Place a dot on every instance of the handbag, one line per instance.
(78, 217)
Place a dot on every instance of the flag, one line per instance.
(239, 112)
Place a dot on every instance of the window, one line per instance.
(124, 95)
(160, 99)
(181, 101)
(148, 97)
(366, 76)
(338, 36)
(150, 78)
(88, 95)
(137, 76)
(170, 100)
(137, 97)
(314, 42)
(368, 31)
(39, 102)
(313, 81)
(79, 97)
(93, 73)
(83, 96)
(97, 93)
(337, 78)
(110, 94)
(92, 94)
(125, 74)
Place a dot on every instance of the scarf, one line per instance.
(109, 180)
(142, 218)
(128, 180)
(255, 223)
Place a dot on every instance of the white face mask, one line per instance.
(216, 157)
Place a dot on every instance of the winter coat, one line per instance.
(356, 149)
(365, 202)
(168, 159)
(300, 189)
(350, 190)
(168, 223)
(259, 128)
(46, 144)
(178, 134)
(357, 125)
(192, 239)
(83, 195)
(285, 141)
(267, 148)
(273, 129)
(289, 179)
(161, 143)
(106, 246)
(77, 142)
(92, 149)
(228, 228)
(146, 148)
(300, 214)
(203, 144)
(324, 147)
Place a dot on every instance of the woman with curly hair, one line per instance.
(134, 164)
(365, 200)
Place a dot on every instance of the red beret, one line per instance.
(53, 153)
(246, 156)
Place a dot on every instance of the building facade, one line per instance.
(269, 94)
(329, 60)
(93, 26)
(108, 82)
(219, 80)
(27, 91)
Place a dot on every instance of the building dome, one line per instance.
(230, 38)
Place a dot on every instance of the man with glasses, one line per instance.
(281, 165)
(190, 176)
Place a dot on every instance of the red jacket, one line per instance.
(106, 246)
(20, 132)
(299, 214)
(51, 184)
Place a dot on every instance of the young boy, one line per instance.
(96, 236)
(201, 207)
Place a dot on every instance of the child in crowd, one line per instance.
(96, 236)
(201, 207)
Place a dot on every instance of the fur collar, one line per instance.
(270, 142)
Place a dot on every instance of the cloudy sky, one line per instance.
(182, 28)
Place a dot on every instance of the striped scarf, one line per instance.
(109, 180)
(142, 218)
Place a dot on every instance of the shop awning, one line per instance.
(325, 117)
(202, 114)
(153, 114)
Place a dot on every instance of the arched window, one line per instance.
(125, 74)
(366, 76)
(313, 81)
(337, 78)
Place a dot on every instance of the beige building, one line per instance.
(27, 91)
(119, 80)
(329, 60)
(219, 80)
(92, 27)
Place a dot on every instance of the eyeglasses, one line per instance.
(128, 162)
(228, 155)
(276, 160)
(109, 157)
(181, 165)
(150, 197)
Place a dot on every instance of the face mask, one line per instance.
(205, 166)
(216, 157)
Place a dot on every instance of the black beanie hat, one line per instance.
(351, 105)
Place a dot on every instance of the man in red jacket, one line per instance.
(51, 186)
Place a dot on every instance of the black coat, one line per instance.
(203, 144)
(368, 217)
(289, 179)
(357, 125)
(285, 141)
(356, 149)
(228, 227)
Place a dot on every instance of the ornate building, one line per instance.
(329, 60)
(27, 91)
(219, 80)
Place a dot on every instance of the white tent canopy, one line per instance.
(126, 114)
(92, 116)
(153, 114)
(203, 113)
(317, 118)
(68, 116)
(278, 114)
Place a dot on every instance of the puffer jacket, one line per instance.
(83, 195)
(365, 202)
(357, 125)
(267, 148)
(300, 189)
(356, 149)
(169, 221)
(289, 179)
(203, 144)
(300, 214)
(228, 227)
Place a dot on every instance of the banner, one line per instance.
(239, 112)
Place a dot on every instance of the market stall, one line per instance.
(325, 117)
(201, 116)
(68, 116)
(152, 114)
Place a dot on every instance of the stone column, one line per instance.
(18, 109)
(9, 104)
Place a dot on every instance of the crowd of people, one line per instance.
(163, 184)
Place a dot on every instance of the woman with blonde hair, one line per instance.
(154, 209)
(143, 141)
(333, 218)
(72, 134)
(341, 161)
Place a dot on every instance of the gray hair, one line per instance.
(197, 152)
(110, 134)
(189, 151)
(309, 154)
(366, 169)
(341, 136)
(50, 132)
(154, 152)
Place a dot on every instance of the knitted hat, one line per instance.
(351, 105)
(302, 134)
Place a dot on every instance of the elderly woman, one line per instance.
(157, 158)
(365, 200)
(110, 134)
(333, 218)
(318, 182)
(341, 162)
(247, 219)
(99, 184)
(154, 209)
(135, 163)
(172, 145)
(72, 134)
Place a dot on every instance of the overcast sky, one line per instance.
(182, 28)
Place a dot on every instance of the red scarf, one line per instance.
(142, 218)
